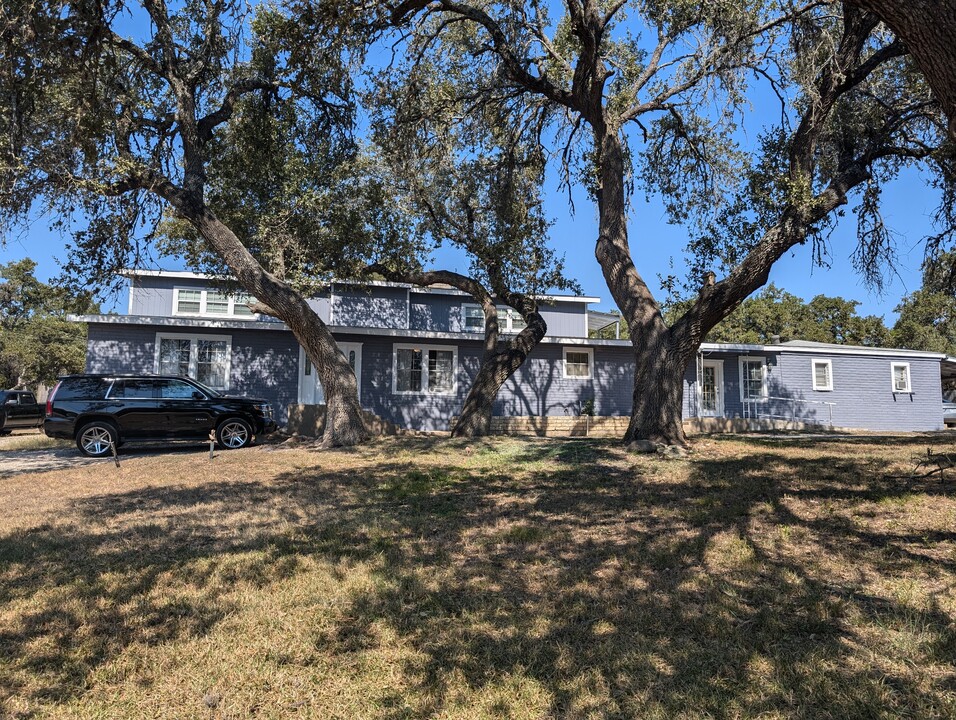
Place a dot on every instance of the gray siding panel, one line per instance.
(263, 364)
(565, 319)
(437, 313)
(861, 397)
(374, 307)
(862, 391)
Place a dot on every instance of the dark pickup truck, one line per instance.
(19, 409)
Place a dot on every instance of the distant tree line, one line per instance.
(37, 341)
(926, 319)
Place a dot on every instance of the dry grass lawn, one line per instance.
(506, 578)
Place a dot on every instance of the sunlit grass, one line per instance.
(517, 578)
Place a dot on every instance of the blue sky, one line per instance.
(908, 207)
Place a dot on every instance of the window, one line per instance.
(753, 378)
(424, 369)
(133, 388)
(577, 363)
(187, 301)
(206, 358)
(176, 390)
(901, 377)
(474, 318)
(509, 319)
(822, 374)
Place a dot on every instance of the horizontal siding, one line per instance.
(266, 365)
(263, 365)
(373, 307)
(437, 313)
(862, 392)
(565, 319)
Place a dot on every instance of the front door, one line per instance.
(310, 387)
(711, 388)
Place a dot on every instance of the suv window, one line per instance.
(82, 388)
(133, 388)
(10, 399)
(27, 399)
(176, 390)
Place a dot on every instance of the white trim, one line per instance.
(408, 309)
(186, 275)
(813, 374)
(564, 363)
(764, 390)
(193, 353)
(718, 365)
(331, 302)
(204, 303)
(424, 349)
(265, 323)
(909, 378)
(848, 350)
(506, 319)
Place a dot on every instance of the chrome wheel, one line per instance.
(95, 440)
(234, 434)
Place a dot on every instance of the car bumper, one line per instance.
(266, 426)
(60, 428)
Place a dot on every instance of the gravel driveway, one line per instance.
(13, 462)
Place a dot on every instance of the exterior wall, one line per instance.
(442, 313)
(264, 364)
(862, 391)
(154, 295)
(861, 397)
(322, 305)
(435, 312)
(370, 306)
(568, 319)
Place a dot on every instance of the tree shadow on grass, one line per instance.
(613, 586)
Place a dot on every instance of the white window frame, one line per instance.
(194, 353)
(506, 316)
(564, 362)
(203, 298)
(764, 389)
(813, 374)
(909, 378)
(424, 350)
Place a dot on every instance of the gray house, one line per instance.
(415, 351)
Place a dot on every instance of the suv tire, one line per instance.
(96, 439)
(234, 433)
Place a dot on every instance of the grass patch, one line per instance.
(517, 578)
(23, 440)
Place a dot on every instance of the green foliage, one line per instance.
(37, 342)
(927, 317)
(97, 130)
(775, 313)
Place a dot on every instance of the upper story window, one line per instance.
(509, 319)
(901, 377)
(211, 303)
(822, 374)
(424, 369)
(753, 378)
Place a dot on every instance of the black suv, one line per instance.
(100, 410)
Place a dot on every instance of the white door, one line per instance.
(310, 387)
(711, 388)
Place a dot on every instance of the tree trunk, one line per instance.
(476, 414)
(658, 397)
(344, 425)
(928, 28)
(658, 385)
